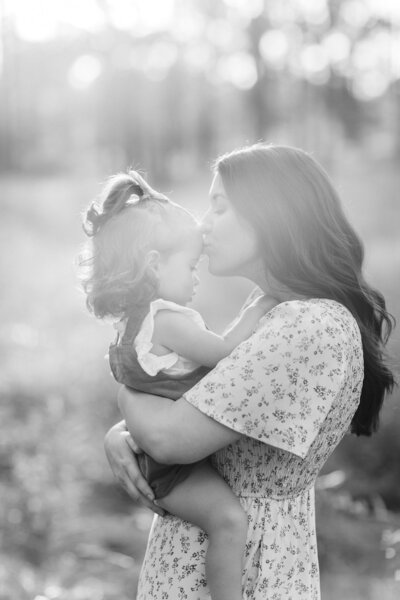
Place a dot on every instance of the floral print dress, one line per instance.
(291, 390)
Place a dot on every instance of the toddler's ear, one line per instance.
(153, 261)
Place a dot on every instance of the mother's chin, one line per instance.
(229, 264)
(218, 265)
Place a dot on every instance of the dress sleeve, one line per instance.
(279, 385)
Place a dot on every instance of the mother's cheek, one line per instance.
(219, 264)
(211, 262)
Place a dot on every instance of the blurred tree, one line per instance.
(128, 91)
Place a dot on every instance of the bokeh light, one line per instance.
(315, 63)
(239, 69)
(85, 70)
(274, 47)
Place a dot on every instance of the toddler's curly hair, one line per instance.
(127, 221)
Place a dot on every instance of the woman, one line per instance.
(273, 411)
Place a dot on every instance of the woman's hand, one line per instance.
(120, 450)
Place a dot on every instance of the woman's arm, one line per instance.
(172, 432)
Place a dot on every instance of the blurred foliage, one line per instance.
(105, 82)
(88, 88)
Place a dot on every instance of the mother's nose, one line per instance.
(205, 223)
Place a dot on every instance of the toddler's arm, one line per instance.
(177, 332)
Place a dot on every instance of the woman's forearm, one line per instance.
(172, 431)
(146, 417)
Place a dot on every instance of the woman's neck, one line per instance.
(272, 287)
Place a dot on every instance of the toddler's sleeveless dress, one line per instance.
(291, 390)
(134, 365)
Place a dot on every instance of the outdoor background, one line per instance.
(90, 87)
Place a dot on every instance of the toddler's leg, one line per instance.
(207, 501)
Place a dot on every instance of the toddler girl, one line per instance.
(145, 250)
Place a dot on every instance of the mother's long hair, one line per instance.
(308, 245)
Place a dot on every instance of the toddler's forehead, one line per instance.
(193, 242)
(196, 234)
(184, 230)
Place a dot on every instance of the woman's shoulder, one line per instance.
(312, 307)
(312, 316)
